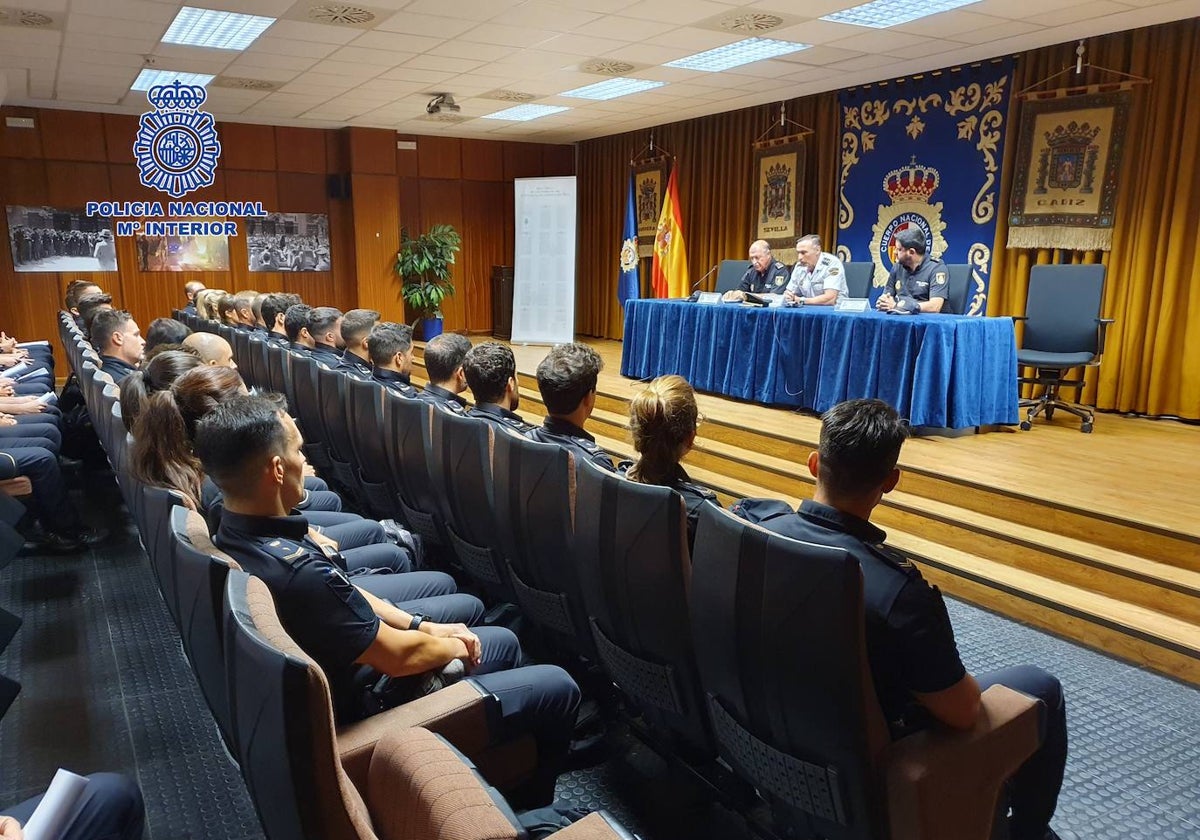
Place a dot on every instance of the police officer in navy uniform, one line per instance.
(391, 349)
(325, 327)
(818, 278)
(444, 356)
(357, 325)
(117, 339)
(766, 275)
(915, 666)
(274, 313)
(252, 450)
(491, 372)
(567, 380)
(918, 282)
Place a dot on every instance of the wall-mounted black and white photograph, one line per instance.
(52, 239)
(289, 242)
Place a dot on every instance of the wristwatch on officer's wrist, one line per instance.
(417, 618)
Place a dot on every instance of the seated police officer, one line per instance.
(766, 275)
(918, 676)
(190, 290)
(253, 451)
(567, 380)
(818, 277)
(117, 339)
(491, 372)
(390, 346)
(274, 314)
(357, 325)
(325, 327)
(444, 356)
(295, 324)
(919, 282)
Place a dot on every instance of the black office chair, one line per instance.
(255, 369)
(276, 372)
(958, 295)
(632, 561)
(858, 278)
(1063, 332)
(308, 412)
(804, 726)
(241, 348)
(408, 445)
(364, 418)
(729, 275)
(154, 524)
(331, 392)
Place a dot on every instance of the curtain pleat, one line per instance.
(1152, 361)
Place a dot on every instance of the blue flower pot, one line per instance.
(431, 328)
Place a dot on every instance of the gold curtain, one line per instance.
(716, 181)
(1151, 363)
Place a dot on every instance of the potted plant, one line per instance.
(423, 265)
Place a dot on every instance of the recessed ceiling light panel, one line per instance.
(524, 113)
(149, 78)
(880, 14)
(612, 88)
(219, 30)
(737, 54)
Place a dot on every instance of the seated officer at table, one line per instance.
(491, 371)
(919, 678)
(567, 379)
(818, 277)
(918, 283)
(252, 450)
(766, 275)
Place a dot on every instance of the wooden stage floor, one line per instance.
(1094, 537)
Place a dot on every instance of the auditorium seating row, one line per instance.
(600, 567)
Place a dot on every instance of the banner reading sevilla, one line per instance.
(925, 153)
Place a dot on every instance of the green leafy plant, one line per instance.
(423, 265)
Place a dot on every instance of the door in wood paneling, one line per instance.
(483, 247)
(441, 204)
(376, 211)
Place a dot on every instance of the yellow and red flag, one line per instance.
(669, 277)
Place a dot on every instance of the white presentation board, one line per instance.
(544, 267)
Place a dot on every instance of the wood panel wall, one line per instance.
(72, 157)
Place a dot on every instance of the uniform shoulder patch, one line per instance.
(835, 271)
(939, 278)
(285, 550)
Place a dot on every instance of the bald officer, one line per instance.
(766, 275)
(818, 277)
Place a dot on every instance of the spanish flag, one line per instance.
(669, 277)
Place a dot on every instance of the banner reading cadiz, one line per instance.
(925, 153)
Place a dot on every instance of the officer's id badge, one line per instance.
(939, 279)
(176, 146)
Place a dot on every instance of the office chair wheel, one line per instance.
(1026, 425)
(1086, 427)
(1049, 412)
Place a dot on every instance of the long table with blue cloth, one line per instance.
(945, 371)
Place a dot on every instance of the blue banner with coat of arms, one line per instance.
(925, 152)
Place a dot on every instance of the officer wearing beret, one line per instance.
(252, 450)
(567, 380)
(766, 275)
(818, 277)
(918, 282)
(491, 372)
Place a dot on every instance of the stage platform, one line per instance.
(1093, 537)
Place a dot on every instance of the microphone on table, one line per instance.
(695, 295)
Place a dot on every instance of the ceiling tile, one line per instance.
(109, 58)
(675, 11)
(816, 32)
(348, 69)
(949, 24)
(1011, 29)
(876, 41)
(479, 52)
(49, 37)
(624, 28)
(604, 7)
(1019, 9)
(286, 46)
(545, 16)
(126, 10)
(365, 56)
(647, 53)
(76, 39)
(441, 64)
(319, 33)
(413, 74)
(393, 87)
(819, 56)
(278, 63)
(442, 28)
(1072, 14)
(581, 45)
(530, 62)
(100, 25)
(464, 9)
(692, 39)
(508, 36)
(932, 47)
(397, 41)
(266, 74)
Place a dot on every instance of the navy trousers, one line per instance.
(112, 810)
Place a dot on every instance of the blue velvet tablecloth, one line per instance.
(947, 371)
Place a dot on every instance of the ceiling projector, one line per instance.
(442, 103)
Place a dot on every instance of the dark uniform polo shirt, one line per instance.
(317, 604)
(569, 436)
(443, 399)
(397, 383)
(695, 496)
(772, 281)
(190, 309)
(116, 368)
(279, 340)
(498, 415)
(910, 642)
(355, 366)
(930, 280)
(327, 355)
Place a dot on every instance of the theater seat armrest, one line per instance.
(1019, 317)
(459, 713)
(1102, 325)
(596, 826)
(947, 784)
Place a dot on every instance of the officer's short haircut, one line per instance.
(488, 367)
(322, 319)
(90, 304)
(77, 289)
(244, 300)
(256, 305)
(357, 325)
(165, 331)
(225, 305)
(295, 319)
(567, 375)
(386, 340)
(810, 238)
(444, 355)
(911, 238)
(860, 444)
(277, 304)
(107, 322)
(235, 439)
